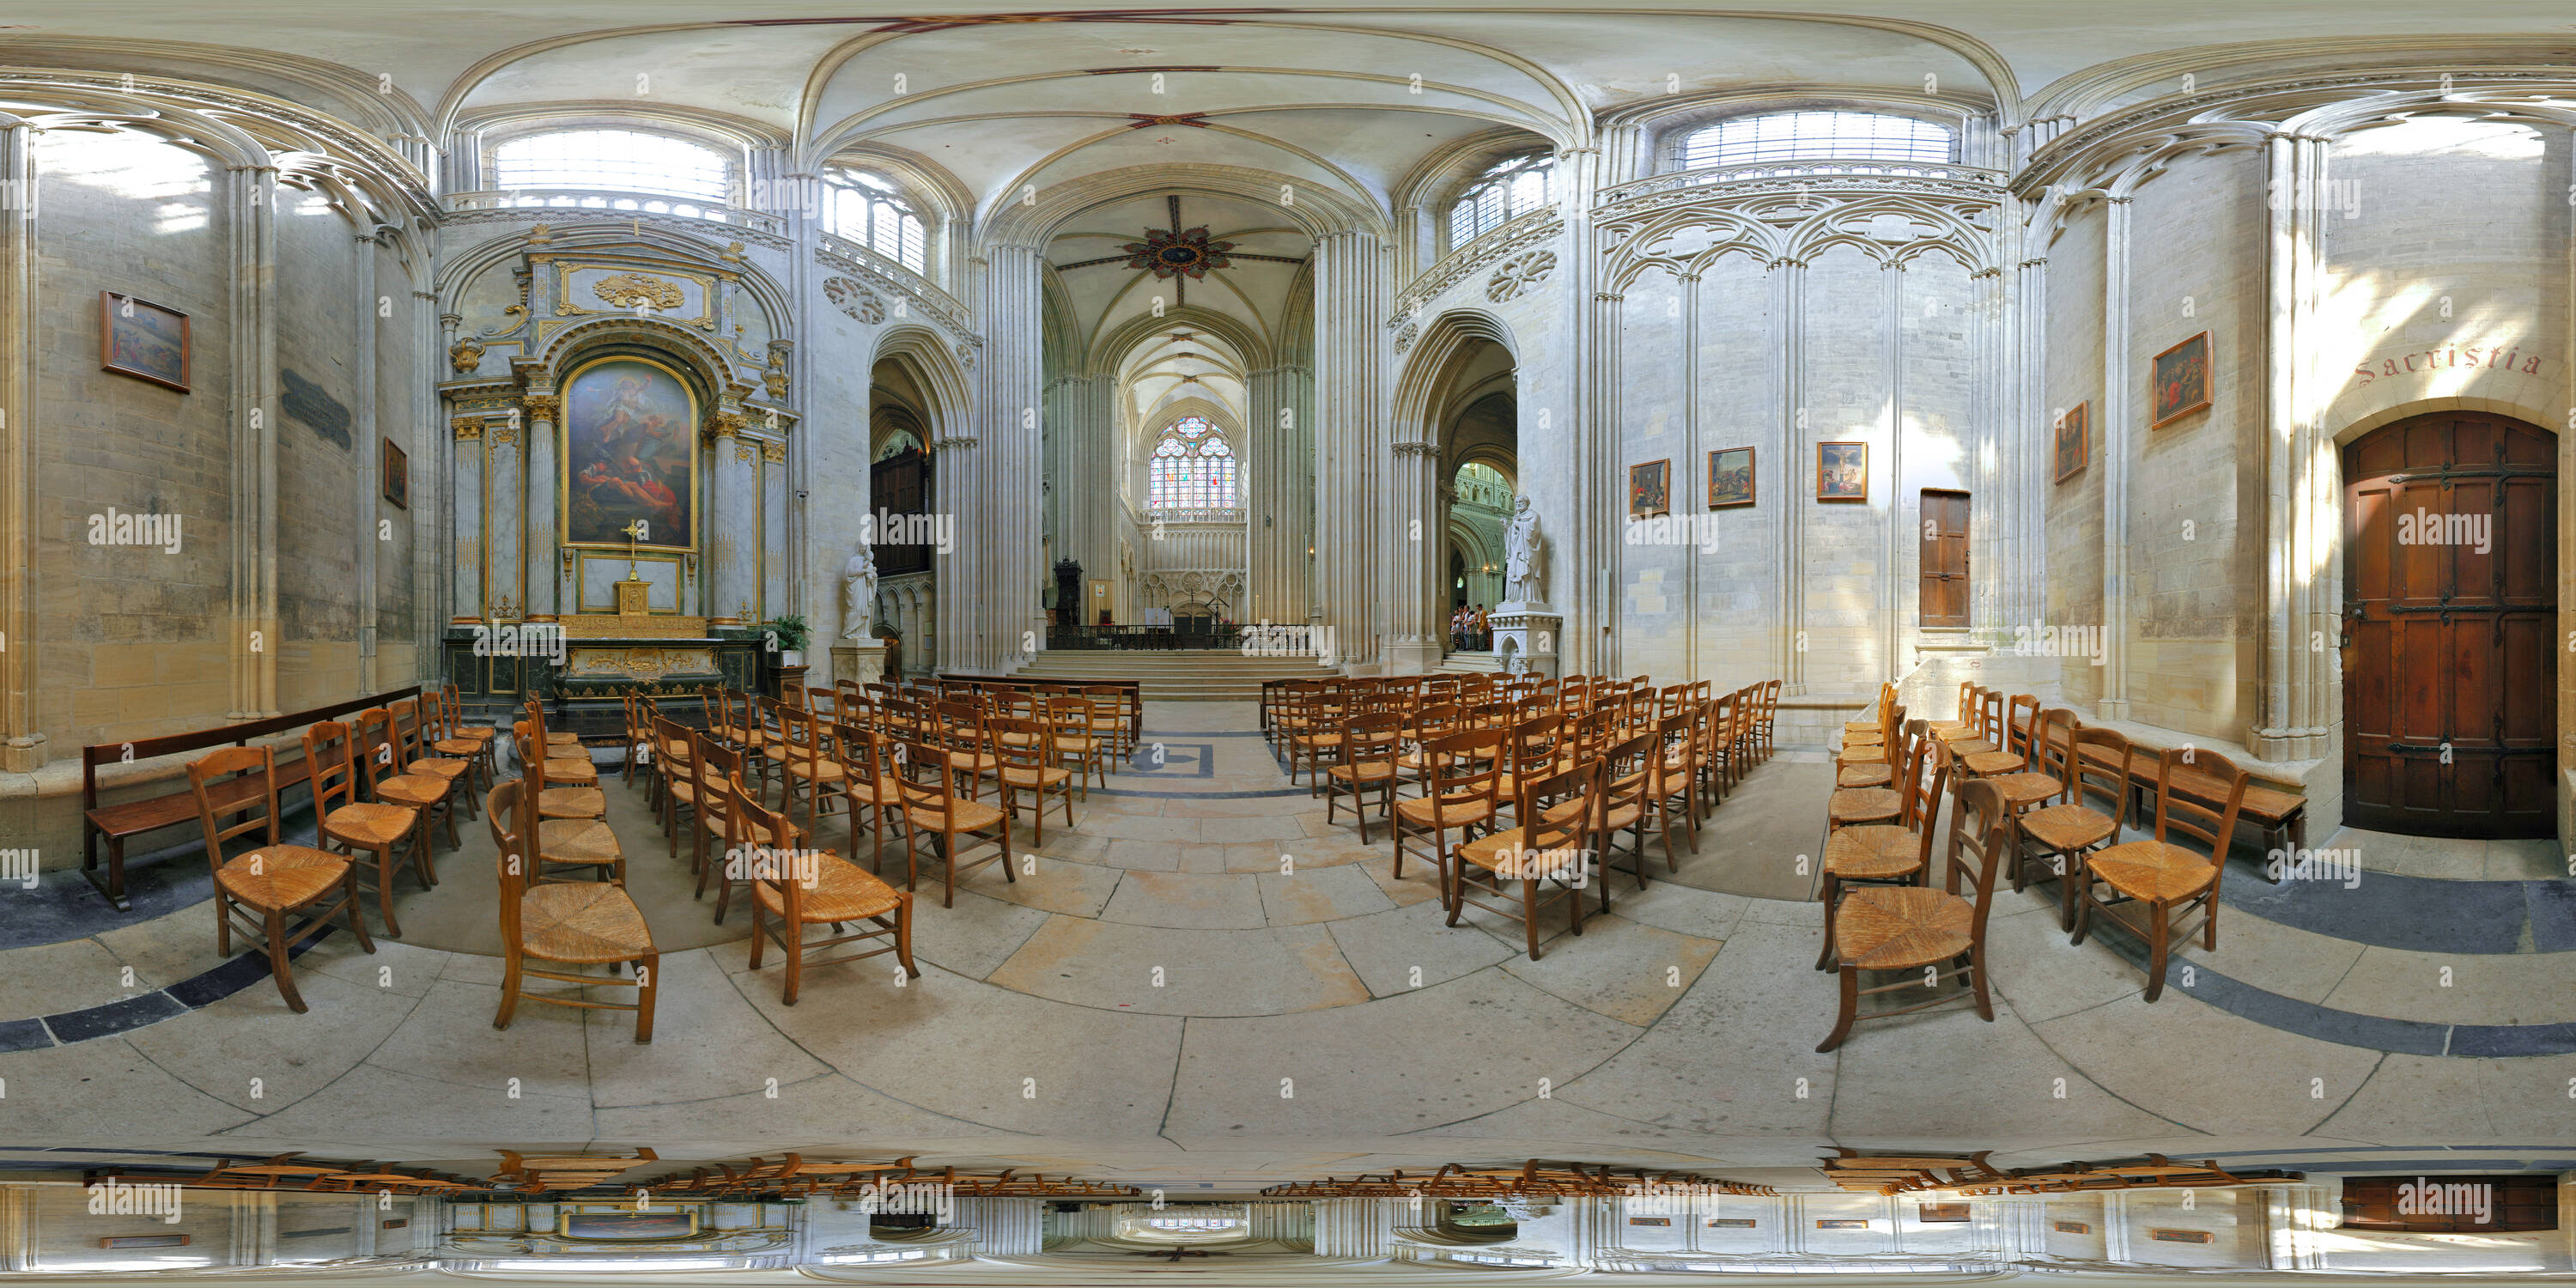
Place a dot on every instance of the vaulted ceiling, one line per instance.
(1335, 95)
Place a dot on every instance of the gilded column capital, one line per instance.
(724, 424)
(744, 453)
(467, 427)
(773, 452)
(541, 406)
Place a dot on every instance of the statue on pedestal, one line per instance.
(1524, 556)
(858, 595)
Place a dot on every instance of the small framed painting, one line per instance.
(397, 476)
(1650, 489)
(2074, 439)
(1730, 478)
(2181, 381)
(144, 340)
(1842, 471)
(2181, 1236)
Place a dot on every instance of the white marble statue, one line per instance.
(858, 595)
(1524, 555)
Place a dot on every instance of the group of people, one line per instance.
(1469, 631)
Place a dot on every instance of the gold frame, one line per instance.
(2080, 417)
(563, 459)
(1666, 465)
(565, 308)
(2208, 380)
(644, 554)
(1752, 475)
(1863, 498)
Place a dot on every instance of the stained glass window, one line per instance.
(1193, 468)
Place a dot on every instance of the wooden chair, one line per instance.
(636, 739)
(272, 882)
(577, 924)
(380, 779)
(1854, 806)
(439, 732)
(568, 764)
(411, 759)
(958, 732)
(810, 761)
(1911, 928)
(865, 785)
(1898, 852)
(1466, 768)
(487, 735)
(1367, 753)
(713, 766)
(1985, 720)
(1623, 802)
(1025, 762)
(925, 779)
(2198, 794)
(1765, 713)
(2014, 755)
(2061, 835)
(746, 837)
(1070, 719)
(1874, 726)
(1429, 721)
(1872, 763)
(554, 801)
(2022, 789)
(378, 827)
(1671, 789)
(1557, 812)
(820, 888)
(1314, 732)
(672, 751)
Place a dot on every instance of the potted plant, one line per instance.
(786, 638)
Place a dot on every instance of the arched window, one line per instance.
(872, 212)
(626, 160)
(1192, 469)
(1508, 189)
(1795, 136)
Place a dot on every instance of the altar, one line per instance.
(582, 667)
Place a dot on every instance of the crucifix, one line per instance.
(1179, 254)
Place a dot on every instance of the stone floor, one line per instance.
(1205, 959)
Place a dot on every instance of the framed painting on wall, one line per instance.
(630, 433)
(397, 476)
(144, 340)
(1842, 471)
(2181, 381)
(1650, 489)
(1730, 478)
(2074, 439)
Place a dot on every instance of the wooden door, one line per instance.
(2450, 610)
(1945, 559)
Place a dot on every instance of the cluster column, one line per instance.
(1789, 306)
(1350, 428)
(25, 748)
(736, 495)
(1281, 511)
(2116, 440)
(2302, 494)
(250, 199)
(1009, 524)
(1078, 452)
(1415, 546)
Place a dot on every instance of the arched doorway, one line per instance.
(2450, 618)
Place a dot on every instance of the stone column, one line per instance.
(1789, 376)
(1891, 584)
(1350, 429)
(250, 199)
(1353, 1227)
(730, 522)
(2302, 492)
(1009, 524)
(1585, 546)
(2115, 1225)
(1280, 498)
(362, 289)
(543, 549)
(1414, 558)
(959, 575)
(466, 486)
(2294, 1218)
(505, 580)
(1081, 452)
(2030, 419)
(1004, 1227)
(773, 550)
(25, 749)
(2117, 436)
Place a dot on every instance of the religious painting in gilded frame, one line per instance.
(1730, 478)
(144, 340)
(1842, 471)
(602, 1226)
(397, 481)
(1650, 489)
(630, 459)
(2180, 381)
(2073, 439)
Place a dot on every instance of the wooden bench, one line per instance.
(2280, 815)
(134, 818)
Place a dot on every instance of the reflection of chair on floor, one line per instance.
(572, 923)
(541, 1173)
(796, 889)
(273, 881)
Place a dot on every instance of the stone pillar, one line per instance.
(505, 593)
(1081, 451)
(1353, 1227)
(250, 198)
(2031, 419)
(25, 749)
(1900, 530)
(1281, 499)
(2118, 435)
(1788, 478)
(2294, 1219)
(773, 550)
(1004, 1227)
(2302, 479)
(1414, 556)
(1009, 517)
(731, 535)
(543, 549)
(362, 288)
(959, 575)
(1583, 563)
(1350, 428)
(466, 486)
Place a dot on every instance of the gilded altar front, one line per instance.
(639, 662)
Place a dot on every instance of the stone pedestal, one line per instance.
(858, 662)
(1527, 636)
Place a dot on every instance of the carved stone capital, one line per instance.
(774, 453)
(541, 406)
(467, 427)
(727, 422)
